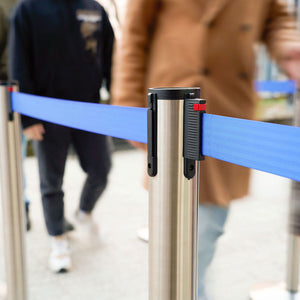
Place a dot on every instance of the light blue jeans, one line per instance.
(212, 219)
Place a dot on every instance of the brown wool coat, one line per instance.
(209, 44)
(3, 44)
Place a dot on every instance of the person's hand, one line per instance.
(138, 145)
(290, 61)
(34, 132)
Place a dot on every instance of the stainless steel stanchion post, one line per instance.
(293, 260)
(292, 276)
(174, 149)
(12, 196)
(289, 290)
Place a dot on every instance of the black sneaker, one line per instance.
(68, 226)
(28, 222)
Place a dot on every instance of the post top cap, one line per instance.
(174, 93)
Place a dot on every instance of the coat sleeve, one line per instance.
(131, 56)
(280, 28)
(3, 45)
(20, 56)
(108, 50)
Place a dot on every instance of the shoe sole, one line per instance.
(62, 271)
(64, 268)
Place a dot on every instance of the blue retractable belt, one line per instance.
(263, 146)
(117, 121)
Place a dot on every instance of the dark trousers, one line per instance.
(94, 155)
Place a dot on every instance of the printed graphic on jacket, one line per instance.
(89, 28)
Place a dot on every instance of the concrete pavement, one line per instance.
(252, 251)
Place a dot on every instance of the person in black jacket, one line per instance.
(63, 49)
(4, 77)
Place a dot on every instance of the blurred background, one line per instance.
(252, 251)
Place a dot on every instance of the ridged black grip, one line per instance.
(192, 144)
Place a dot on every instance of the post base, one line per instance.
(3, 290)
(273, 292)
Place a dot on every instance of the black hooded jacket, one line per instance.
(61, 49)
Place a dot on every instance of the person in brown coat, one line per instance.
(3, 41)
(5, 7)
(210, 44)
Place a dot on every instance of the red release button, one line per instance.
(199, 107)
(10, 89)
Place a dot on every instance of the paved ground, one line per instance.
(252, 251)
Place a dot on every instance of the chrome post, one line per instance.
(292, 274)
(293, 257)
(12, 196)
(173, 213)
(289, 290)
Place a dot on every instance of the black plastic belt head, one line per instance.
(192, 133)
(193, 113)
(11, 86)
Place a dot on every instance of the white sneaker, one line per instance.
(60, 256)
(143, 234)
(86, 224)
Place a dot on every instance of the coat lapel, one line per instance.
(213, 8)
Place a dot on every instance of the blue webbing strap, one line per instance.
(285, 87)
(117, 121)
(263, 146)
